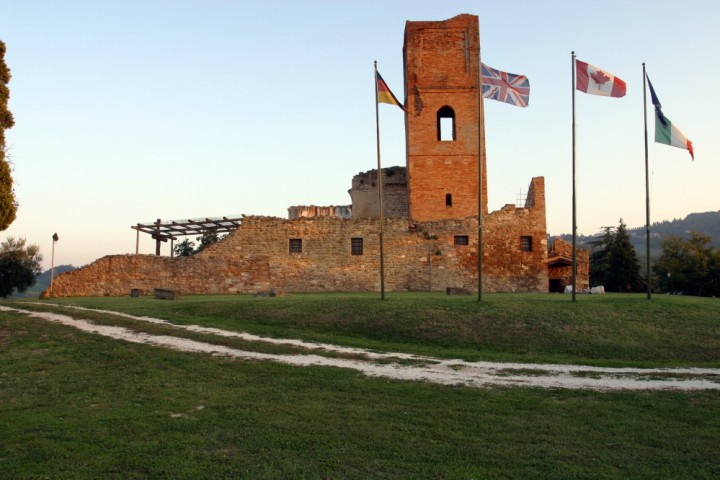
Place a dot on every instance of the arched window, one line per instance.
(446, 124)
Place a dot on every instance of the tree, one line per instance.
(19, 265)
(613, 263)
(689, 266)
(8, 205)
(208, 238)
(185, 248)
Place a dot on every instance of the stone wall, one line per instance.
(418, 256)
(117, 275)
(365, 199)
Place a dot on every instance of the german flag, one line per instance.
(384, 95)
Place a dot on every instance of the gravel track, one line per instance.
(403, 366)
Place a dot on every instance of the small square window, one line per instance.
(526, 244)
(356, 246)
(461, 240)
(296, 245)
(448, 199)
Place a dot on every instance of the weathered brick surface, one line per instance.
(256, 257)
(442, 70)
(117, 275)
(560, 266)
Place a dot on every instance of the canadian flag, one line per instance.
(594, 81)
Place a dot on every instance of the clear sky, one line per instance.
(128, 111)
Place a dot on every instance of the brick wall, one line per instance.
(418, 256)
(560, 266)
(442, 70)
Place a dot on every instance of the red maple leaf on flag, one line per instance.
(599, 77)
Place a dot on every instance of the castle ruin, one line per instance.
(430, 207)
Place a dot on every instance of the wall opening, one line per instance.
(526, 244)
(296, 245)
(448, 199)
(356, 246)
(461, 240)
(446, 124)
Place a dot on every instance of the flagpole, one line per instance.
(574, 210)
(481, 127)
(380, 188)
(647, 188)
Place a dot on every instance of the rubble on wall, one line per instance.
(304, 211)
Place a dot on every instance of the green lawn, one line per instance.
(75, 405)
(603, 330)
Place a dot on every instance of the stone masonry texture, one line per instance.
(419, 256)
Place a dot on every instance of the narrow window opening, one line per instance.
(448, 199)
(461, 240)
(446, 124)
(356, 246)
(526, 244)
(296, 245)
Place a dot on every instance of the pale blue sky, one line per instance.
(128, 111)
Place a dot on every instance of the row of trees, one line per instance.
(687, 266)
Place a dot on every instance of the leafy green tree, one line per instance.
(19, 265)
(614, 263)
(689, 266)
(185, 248)
(208, 238)
(8, 205)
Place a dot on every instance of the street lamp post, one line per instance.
(52, 264)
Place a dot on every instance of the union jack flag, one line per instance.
(505, 87)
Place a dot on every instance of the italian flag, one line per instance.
(665, 131)
(669, 134)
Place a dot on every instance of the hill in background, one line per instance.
(42, 282)
(707, 223)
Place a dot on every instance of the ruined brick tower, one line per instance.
(442, 61)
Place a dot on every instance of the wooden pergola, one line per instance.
(172, 229)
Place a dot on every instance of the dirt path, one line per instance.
(402, 366)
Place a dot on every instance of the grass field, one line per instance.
(74, 405)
